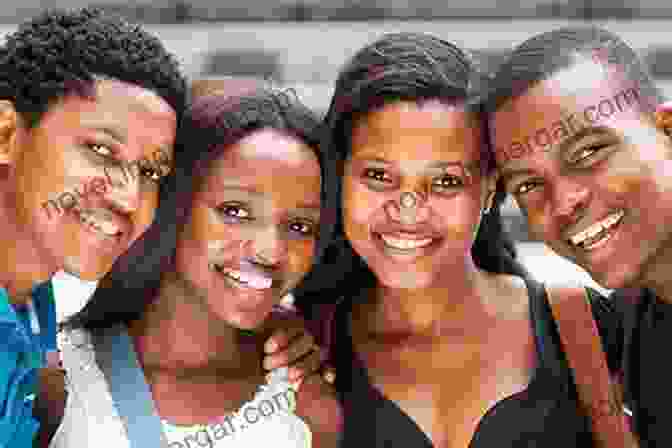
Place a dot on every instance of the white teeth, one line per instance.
(405, 244)
(234, 275)
(250, 280)
(597, 228)
(106, 227)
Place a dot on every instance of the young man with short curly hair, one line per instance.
(83, 97)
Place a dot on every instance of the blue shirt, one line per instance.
(21, 354)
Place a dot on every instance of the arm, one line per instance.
(18, 371)
(291, 344)
(318, 406)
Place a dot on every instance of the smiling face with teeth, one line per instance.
(77, 143)
(601, 195)
(431, 149)
(253, 225)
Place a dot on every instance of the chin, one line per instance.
(86, 272)
(244, 320)
(247, 323)
(618, 276)
(408, 279)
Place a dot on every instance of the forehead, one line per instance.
(410, 131)
(116, 105)
(269, 160)
(583, 95)
(135, 97)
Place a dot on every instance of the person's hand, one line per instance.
(292, 345)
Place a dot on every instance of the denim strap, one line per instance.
(130, 392)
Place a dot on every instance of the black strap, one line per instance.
(129, 389)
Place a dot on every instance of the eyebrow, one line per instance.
(112, 132)
(439, 165)
(307, 206)
(313, 209)
(243, 188)
(563, 146)
(583, 133)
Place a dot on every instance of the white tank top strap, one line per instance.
(91, 415)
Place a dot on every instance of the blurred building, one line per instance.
(181, 11)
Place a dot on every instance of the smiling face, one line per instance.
(589, 169)
(79, 192)
(253, 226)
(429, 154)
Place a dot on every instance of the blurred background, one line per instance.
(302, 44)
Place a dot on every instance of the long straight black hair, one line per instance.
(401, 67)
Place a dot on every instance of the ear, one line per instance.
(8, 126)
(664, 118)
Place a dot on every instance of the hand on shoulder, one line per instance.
(318, 405)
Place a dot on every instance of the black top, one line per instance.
(647, 364)
(545, 414)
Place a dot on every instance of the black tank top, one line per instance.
(545, 414)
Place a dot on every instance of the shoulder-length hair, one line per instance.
(402, 67)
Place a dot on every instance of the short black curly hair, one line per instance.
(61, 51)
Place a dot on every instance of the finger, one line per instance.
(306, 366)
(282, 337)
(298, 348)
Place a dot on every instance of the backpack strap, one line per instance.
(583, 348)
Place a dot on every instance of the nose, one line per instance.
(570, 199)
(409, 207)
(269, 246)
(124, 184)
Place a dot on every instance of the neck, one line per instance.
(22, 266)
(657, 275)
(179, 336)
(458, 300)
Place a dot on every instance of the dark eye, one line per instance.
(101, 150)
(525, 187)
(377, 174)
(586, 152)
(446, 182)
(305, 228)
(234, 211)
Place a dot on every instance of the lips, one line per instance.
(396, 242)
(246, 277)
(597, 234)
(404, 243)
(108, 227)
(98, 223)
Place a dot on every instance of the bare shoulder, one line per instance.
(318, 405)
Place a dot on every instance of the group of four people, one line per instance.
(383, 220)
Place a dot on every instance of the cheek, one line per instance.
(624, 175)
(300, 259)
(205, 237)
(359, 206)
(461, 215)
